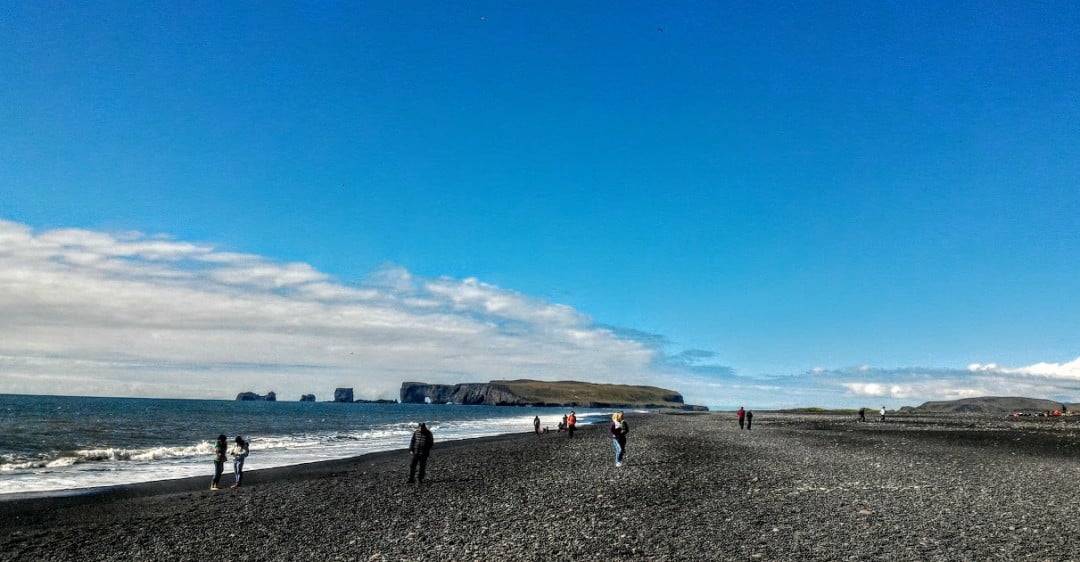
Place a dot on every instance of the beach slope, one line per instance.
(796, 487)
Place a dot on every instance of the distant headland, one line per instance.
(993, 405)
(522, 392)
(526, 392)
(982, 405)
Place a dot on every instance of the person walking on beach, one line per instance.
(749, 419)
(862, 414)
(742, 416)
(219, 460)
(420, 448)
(536, 425)
(239, 452)
(619, 430)
(883, 413)
(571, 423)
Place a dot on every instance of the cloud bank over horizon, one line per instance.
(133, 315)
(1056, 381)
(128, 314)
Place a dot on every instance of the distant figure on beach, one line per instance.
(420, 448)
(619, 430)
(862, 414)
(219, 460)
(742, 416)
(571, 423)
(883, 413)
(239, 452)
(536, 425)
(749, 419)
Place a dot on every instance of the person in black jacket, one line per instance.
(419, 448)
(220, 449)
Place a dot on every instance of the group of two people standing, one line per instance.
(745, 417)
(568, 424)
(862, 414)
(239, 452)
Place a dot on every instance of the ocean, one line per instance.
(62, 443)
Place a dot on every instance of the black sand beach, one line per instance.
(695, 487)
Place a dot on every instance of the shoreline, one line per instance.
(22, 502)
(796, 487)
(83, 474)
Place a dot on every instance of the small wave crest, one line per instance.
(22, 465)
(144, 455)
(59, 460)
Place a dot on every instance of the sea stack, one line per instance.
(252, 396)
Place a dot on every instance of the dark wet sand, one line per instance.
(695, 487)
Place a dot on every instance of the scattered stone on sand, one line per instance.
(799, 487)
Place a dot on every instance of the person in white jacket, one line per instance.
(239, 452)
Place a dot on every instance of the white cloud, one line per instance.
(865, 389)
(879, 389)
(917, 391)
(1059, 381)
(268, 275)
(1070, 370)
(84, 312)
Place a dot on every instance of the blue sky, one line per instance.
(771, 204)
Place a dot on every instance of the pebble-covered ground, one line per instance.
(695, 487)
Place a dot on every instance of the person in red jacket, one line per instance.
(742, 416)
(571, 423)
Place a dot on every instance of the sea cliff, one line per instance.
(248, 396)
(542, 393)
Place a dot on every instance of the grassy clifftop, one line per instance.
(992, 405)
(545, 393)
(575, 392)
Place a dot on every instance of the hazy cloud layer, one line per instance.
(1056, 381)
(126, 314)
(93, 313)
